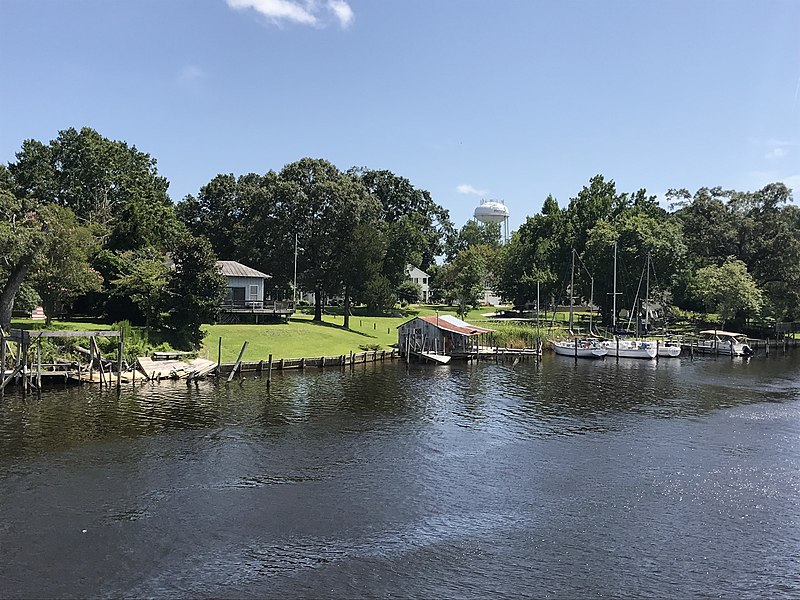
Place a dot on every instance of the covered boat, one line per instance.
(717, 341)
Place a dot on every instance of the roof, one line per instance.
(453, 324)
(231, 268)
(720, 332)
(413, 271)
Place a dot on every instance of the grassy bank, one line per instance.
(303, 337)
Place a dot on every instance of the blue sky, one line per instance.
(466, 98)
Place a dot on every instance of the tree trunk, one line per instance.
(346, 307)
(10, 289)
(317, 304)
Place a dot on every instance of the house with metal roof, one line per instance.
(247, 298)
(439, 334)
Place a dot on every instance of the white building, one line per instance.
(419, 276)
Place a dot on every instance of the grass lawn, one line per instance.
(303, 337)
(300, 336)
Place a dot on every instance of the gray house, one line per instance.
(247, 298)
(245, 285)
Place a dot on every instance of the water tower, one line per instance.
(493, 211)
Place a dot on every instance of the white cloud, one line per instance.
(776, 153)
(190, 75)
(466, 188)
(303, 12)
(342, 11)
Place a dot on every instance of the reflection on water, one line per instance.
(562, 479)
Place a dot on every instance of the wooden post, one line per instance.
(25, 362)
(238, 362)
(2, 357)
(39, 361)
(302, 363)
(766, 347)
(219, 355)
(575, 341)
(322, 362)
(269, 372)
(120, 345)
(616, 340)
(658, 347)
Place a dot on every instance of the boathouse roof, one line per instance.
(453, 324)
(231, 268)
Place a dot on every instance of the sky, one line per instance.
(469, 99)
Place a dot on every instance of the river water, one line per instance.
(559, 480)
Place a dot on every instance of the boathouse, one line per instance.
(440, 334)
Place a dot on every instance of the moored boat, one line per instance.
(586, 348)
(630, 348)
(716, 341)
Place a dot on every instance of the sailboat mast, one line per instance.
(571, 289)
(647, 297)
(614, 295)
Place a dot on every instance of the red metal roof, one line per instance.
(451, 323)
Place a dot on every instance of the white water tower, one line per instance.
(493, 211)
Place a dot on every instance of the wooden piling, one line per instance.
(238, 362)
(219, 355)
(120, 347)
(39, 362)
(269, 372)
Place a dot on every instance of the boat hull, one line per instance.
(669, 351)
(630, 349)
(568, 349)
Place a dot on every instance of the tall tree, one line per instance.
(104, 182)
(63, 271)
(323, 207)
(415, 228)
(728, 290)
(196, 288)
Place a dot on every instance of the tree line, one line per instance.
(87, 226)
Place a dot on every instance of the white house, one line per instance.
(421, 277)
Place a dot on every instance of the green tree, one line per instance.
(728, 290)
(473, 234)
(144, 280)
(323, 206)
(196, 288)
(403, 205)
(63, 271)
(537, 254)
(104, 182)
(409, 292)
(470, 269)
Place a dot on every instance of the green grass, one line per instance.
(302, 337)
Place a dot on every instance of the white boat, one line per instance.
(669, 349)
(716, 341)
(630, 348)
(587, 348)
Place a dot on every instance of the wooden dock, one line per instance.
(441, 359)
(174, 369)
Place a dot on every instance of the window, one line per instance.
(253, 292)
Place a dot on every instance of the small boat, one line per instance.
(586, 348)
(630, 348)
(716, 341)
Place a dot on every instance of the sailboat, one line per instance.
(579, 347)
(627, 348)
